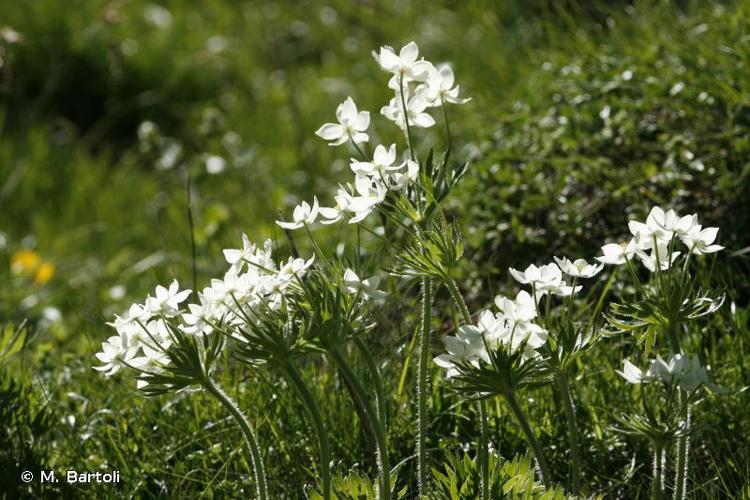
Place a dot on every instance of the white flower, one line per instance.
(440, 89)
(544, 279)
(466, 347)
(167, 300)
(632, 373)
(578, 268)
(352, 125)
(371, 193)
(303, 215)
(617, 254)
(415, 112)
(700, 241)
(199, 321)
(404, 65)
(400, 176)
(115, 354)
(151, 363)
(336, 213)
(293, 268)
(368, 287)
(520, 310)
(658, 255)
(382, 160)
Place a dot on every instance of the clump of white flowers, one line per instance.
(653, 240)
(418, 86)
(149, 329)
(686, 372)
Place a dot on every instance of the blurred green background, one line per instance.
(583, 113)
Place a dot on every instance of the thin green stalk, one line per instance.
(575, 450)
(377, 380)
(484, 462)
(530, 438)
(683, 449)
(320, 430)
(406, 119)
(484, 465)
(373, 421)
(458, 300)
(256, 458)
(422, 387)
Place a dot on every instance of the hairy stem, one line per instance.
(458, 300)
(683, 450)
(261, 488)
(320, 430)
(656, 486)
(573, 438)
(377, 380)
(371, 415)
(422, 386)
(530, 438)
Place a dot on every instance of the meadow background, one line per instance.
(583, 114)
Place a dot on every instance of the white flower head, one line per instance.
(415, 112)
(382, 160)
(405, 65)
(658, 257)
(367, 287)
(616, 254)
(439, 88)
(578, 268)
(352, 125)
(167, 300)
(303, 214)
(700, 240)
(115, 354)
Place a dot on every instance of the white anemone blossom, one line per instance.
(439, 88)
(405, 66)
(352, 125)
(303, 215)
(686, 372)
(578, 268)
(415, 112)
(545, 279)
(617, 254)
(367, 287)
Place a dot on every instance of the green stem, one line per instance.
(373, 421)
(529, 433)
(377, 379)
(320, 430)
(484, 462)
(656, 487)
(575, 450)
(256, 458)
(406, 119)
(683, 449)
(458, 300)
(422, 386)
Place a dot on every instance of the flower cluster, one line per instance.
(147, 331)
(512, 326)
(418, 86)
(686, 372)
(652, 242)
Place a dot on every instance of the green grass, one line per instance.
(550, 174)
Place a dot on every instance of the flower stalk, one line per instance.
(573, 438)
(319, 426)
(422, 386)
(530, 438)
(256, 458)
